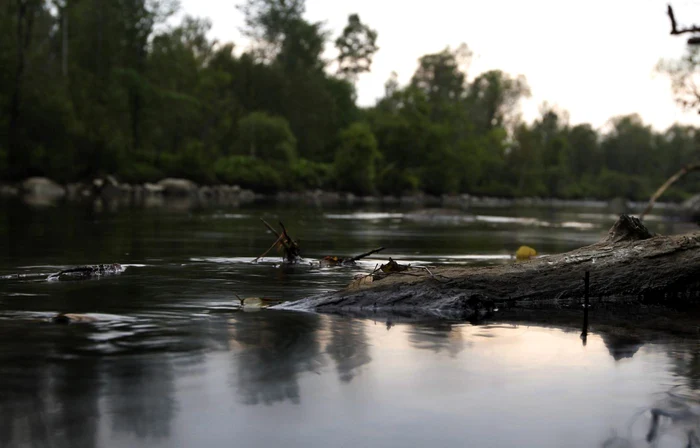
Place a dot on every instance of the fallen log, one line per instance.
(629, 266)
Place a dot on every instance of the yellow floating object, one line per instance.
(525, 253)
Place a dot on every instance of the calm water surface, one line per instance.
(168, 361)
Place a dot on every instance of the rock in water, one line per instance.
(178, 187)
(86, 272)
(41, 190)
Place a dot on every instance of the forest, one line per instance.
(96, 87)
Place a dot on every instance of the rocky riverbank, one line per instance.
(172, 192)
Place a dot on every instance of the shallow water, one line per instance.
(166, 359)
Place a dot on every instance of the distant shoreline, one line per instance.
(183, 192)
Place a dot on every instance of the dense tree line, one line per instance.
(92, 87)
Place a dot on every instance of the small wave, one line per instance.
(37, 275)
(227, 260)
(230, 216)
(22, 294)
(109, 335)
(577, 225)
(512, 220)
(48, 315)
(364, 216)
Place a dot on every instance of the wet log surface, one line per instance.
(630, 267)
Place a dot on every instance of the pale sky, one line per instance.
(593, 58)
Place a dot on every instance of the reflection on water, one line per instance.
(275, 350)
(348, 347)
(163, 358)
(392, 386)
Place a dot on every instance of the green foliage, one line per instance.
(392, 180)
(616, 184)
(248, 172)
(266, 137)
(355, 160)
(120, 93)
(306, 174)
(192, 162)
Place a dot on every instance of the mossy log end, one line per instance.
(630, 266)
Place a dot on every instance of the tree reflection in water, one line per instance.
(141, 395)
(276, 348)
(437, 336)
(675, 416)
(48, 394)
(348, 346)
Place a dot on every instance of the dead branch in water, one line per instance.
(671, 180)
(335, 260)
(366, 254)
(290, 247)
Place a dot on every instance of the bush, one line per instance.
(193, 163)
(395, 181)
(355, 160)
(248, 172)
(613, 184)
(306, 174)
(267, 137)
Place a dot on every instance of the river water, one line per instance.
(166, 359)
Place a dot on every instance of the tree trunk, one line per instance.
(630, 266)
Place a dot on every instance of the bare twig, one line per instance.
(366, 254)
(291, 247)
(674, 25)
(269, 227)
(433, 276)
(671, 180)
(277, 241)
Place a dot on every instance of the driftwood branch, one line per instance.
(671, 180)
(366, 254)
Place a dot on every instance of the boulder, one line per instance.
(152, 189)
(178, 187)
(41, 189)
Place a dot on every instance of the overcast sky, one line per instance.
(593, 58)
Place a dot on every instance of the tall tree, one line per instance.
(356, 46)
(269, 22)
(493, 99)
(442, 75)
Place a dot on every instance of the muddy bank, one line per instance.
(630, 268)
